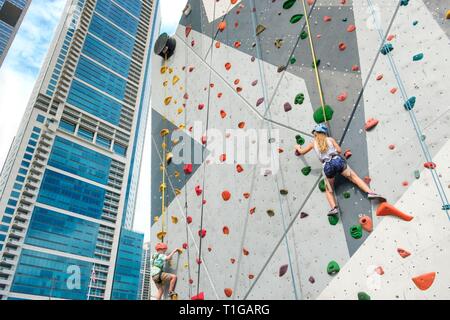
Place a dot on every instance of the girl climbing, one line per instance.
(329, 153)
(157, 273)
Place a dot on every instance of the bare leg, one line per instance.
(160, 292)
(353, 177)
(173, 283)
(330, 193)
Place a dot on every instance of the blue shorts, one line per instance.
(335, 166)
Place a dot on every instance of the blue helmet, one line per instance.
(321, 128)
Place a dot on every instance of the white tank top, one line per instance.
(329, 154)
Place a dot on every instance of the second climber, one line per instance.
(329, 153)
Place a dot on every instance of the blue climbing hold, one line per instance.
(418, 57)
(415, 23)
(446, 207)
(409, 105)
(404, 2)
(388, 47)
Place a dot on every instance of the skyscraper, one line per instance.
(144, 289)
(11, 16)
(68, 186)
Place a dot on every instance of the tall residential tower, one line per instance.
(68, 186)
(11, 16)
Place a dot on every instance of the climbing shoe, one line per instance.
(333, 212)
(173, 295)
(373, 196)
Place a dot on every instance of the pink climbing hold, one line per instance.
(201, 106)
(188, 30)
(200, 296)
(390, 37)
(326, 18)
(202, 233)
(351, 28)
(403, 253)
(187, 168)
(379, 77)
(259, 102)
(379, 270)
(189, 219)
(342, 97)
(392, 146)
(393, 90)
(370, 124)
(198, 190)
(185, 246)
(310, 2)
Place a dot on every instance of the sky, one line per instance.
(21, 67)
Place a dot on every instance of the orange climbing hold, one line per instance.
(217, 44)
(228, 292)
(223, 114)
(403, 253)
(226, 195)
(366, 223)
(424, 281)
(386, 209)
(351, 28)
(226, 230)
(227, 66)
(241, 125)
(370, 124)
(222, 26)
(239, 168)
(233, 1)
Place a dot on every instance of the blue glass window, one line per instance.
(20, 179)
(15, 195)
(6, 220)
(120, 150)
(12, 202)
(9, 211)
(85, 134)
(18, 186)
(25, 164)
(37, 130)
(104, 142)
(118, 16)
(40, 118)
(67, 126)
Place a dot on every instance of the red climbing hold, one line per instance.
(223, 114)
(189, 219)
(342, 46)
(228, 292)
(379, 77)
(226, 195)
(198, 190)
(355, 68)
(233, 261)
(424, 281)
(403, 253)
(351, 28)
(342, 97)
(392, 147)
(241, 125)
(228, 66)
(386, 209)
(226, 230)
(348, 154)
(370, 124)
(237, 44)
(283, 270)
(390, 37)
(217, 44)
(187, 168)
(251, 276)
(366, 223)
(253, 210)
(188, 30)
(326, 18)
(201, 106)
(202, 233)
(200, 296)
(429, 165)
(245, 252)
(393, 90)
(185, 246)
(239, 168)
(223, 158)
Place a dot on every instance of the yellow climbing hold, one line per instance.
(174, 220)
(170, 70)
(163, 69)
(176, 174)
(175, 80)
(177, 192)
(162, 187)
(447, 15)
(161, 235)
(181, 126)
(169, 157)
(165, 83)
(167, 101)
(164, 132)
(155, 219)
(180, 110)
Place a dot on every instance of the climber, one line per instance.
(157, 262)
(329, 153)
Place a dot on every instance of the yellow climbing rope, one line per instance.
(316, 69)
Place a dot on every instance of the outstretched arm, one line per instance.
(304, 150)
(171, 255)
(336, 146)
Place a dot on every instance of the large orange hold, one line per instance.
(228, 292)
(226, 195)
(424, 281)
(222, 26)
(386, 209)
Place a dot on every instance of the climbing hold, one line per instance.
(409, 105)
(370, 124)
(226, 230)
(239, 168)
(164, 132)
(333, 220)
(348, 154)
(418, 57)
(270, 213)
(346, 195)
(288, 4)
(351, 28)
(260, 29)
(245, 252)
(237, 44)
(246, 195)
(380, 77)
(283, 270)
(356, 232)
(167, 101)
(189, 219)
(226, 195)
(287, 107)
(342, 46)
(386, 209)
(430, 165)
(355, 68)
(312, 280)
(174, 220)
(259, 102)
(227, 66)
(300, 140)
(379, 270)
(169, 157)
(202, 233)
(281, 68)
(251, 276)
(392, 147)
(404, 2)
(417, 174)
(306, 171)
(424, 281)
(284, 192)
(293, 60)
(366, 223)
(241, 125)
(333, 268)
(223, 158)
(300, 98)
(304, 215)
(161, 235)
(223, 114)
(322, 186)
(319, 114)
(278, 43)
(363, 296)
(388, 47)
(175, 80)
(342, 97)
(252, 211)
(296, 18)
(187, 30)
(222, 26)
(447, 15)
(303, 35)
(316, 63)
(403, 253)
(326, 18)
(185, 246)
(228, 292)
(198, 190)
(200, 296)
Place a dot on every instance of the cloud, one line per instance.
(171, 11)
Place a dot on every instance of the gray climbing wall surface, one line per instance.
(261, 229)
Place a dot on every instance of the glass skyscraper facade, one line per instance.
(11, 16)
(68, 187)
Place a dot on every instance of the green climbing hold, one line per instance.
(417, 174)
(306, 171)
(300, 140)
(333, 220)
(300, 98)
(316, 64)
(322, 186)
(363, 296)
(333, 268)
(356, 232)
(296, 18)
(319, 116)
(288, 4)
(418, 57)
(404, 2)
(293, 60)
(347, 195)
(303, 35)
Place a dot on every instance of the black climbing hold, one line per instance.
(284, 192)
(165, 46)
(316, 64)
(283, 270)
(304, 215)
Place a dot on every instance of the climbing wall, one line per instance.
(259, 230)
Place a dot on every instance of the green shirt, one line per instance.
(157, 262)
